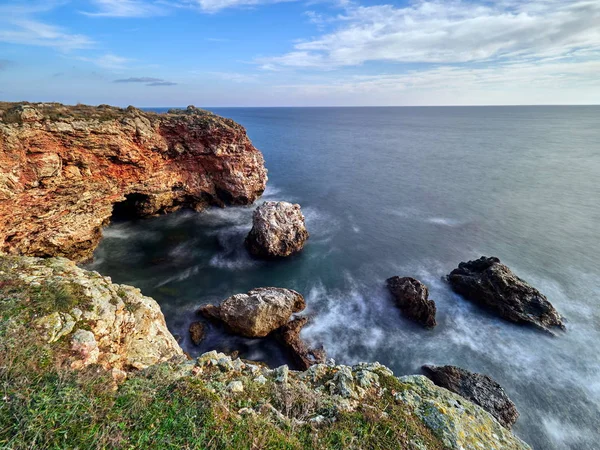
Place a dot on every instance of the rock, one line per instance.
(458, 423)
(65, 171)
(197, 332)
(289, 335)
(281, 374)
(412, 297)
(235, 386)
(278, 230)
(490, 283)
(480, 389)
(258, 312)
(108, 324)
(85, 347)
(260, 379)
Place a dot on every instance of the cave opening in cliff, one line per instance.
(129, 209)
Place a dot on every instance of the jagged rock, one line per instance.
(490, 283)
(65, 169)
(258, 312)
(289, 335)
(458, 423)
(108, 324)
(478, 388)
(412, 297)
(278, 230)
(197, 332)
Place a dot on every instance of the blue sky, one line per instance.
(300, 52)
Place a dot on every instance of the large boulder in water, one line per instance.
(258, 312)
(278, 230)
(478, 388)
(490, 283)
(412, 297)
(303, 356)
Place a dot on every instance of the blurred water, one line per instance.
(412, 192)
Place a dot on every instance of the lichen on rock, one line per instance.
(108, 324)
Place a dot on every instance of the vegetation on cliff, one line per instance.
(117, 398)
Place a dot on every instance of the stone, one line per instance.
(258, 312)
(302, 355)
(281, 374)
(458, 423)
(62, 180)
(197, 332)
(412, 297)
(84, 345)
(278, 230)
(491, 284)
(260, 379)
(112, 325)
(235, 386)
(480, 389)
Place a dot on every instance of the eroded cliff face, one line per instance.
(64, 168)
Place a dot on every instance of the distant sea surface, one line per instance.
(410, 192)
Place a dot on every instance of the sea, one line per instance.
(408, 191)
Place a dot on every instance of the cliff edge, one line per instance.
(132, 386)
(65, 170)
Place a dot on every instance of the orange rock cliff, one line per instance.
(64, 171)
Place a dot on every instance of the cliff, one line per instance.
(134, 388)
(65, 169)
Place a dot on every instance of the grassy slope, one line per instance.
(45, 405)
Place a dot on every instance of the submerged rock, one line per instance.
(66, 170)
(278, 230)
(412, 297)
(258, 312)
(303, 356)
(197, 332)
(478, 388)
(490, 283)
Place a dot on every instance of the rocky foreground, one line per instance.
(63, 169)
(80, 320)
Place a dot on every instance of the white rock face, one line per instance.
(278, 230)
(113, 325)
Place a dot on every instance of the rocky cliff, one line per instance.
(65, 169)
(56, 317)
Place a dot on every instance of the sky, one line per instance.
(300, 52)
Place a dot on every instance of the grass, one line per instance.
(45, 405)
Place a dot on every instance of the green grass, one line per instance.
(45, 405)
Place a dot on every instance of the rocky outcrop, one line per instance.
(303, 356)
(490, 283)
(328, 391)
(103, 323)
(197, 332)
(258, 312)
(480, 389)
(412, 297)
(278, 230)
(64, 168)
(79, 318)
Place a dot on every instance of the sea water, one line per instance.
(409, 192)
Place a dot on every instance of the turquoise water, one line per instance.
(411, 192)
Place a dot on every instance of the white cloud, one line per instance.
(453, 31)
(507, 83)
(125, 8)
(212, 6)
(107, 61)
(27, 31)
